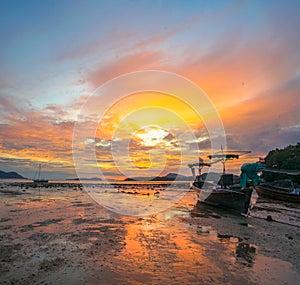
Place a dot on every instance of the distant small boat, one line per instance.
(283, 190)
(38, 178)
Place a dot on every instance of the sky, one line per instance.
(65, 68)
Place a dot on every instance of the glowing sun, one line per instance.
(151, 136)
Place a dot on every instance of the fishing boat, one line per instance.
(278, 193)
(226, 193)
(283, 190)
(38, 176)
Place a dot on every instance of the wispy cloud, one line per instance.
(268, 120)
(130, 63)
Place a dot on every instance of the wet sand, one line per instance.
(59, 235)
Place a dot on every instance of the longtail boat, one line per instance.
(225, 193)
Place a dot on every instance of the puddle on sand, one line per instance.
(239, 251)
(244, 257)
(273, 271)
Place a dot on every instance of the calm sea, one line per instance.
(148, 197)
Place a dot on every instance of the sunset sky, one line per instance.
(62, 63)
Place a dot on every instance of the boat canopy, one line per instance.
(224, 156)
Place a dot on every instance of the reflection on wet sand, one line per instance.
(161, 250)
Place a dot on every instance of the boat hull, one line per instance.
(276, 194)
(237, 199)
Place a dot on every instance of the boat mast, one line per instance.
(39, 173)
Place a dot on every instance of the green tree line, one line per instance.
(287, 158)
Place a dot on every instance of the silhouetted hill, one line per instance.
(211, 176)
(12, 174)
(168, 177)
(93, 178)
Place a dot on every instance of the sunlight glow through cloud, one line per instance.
(151, 136)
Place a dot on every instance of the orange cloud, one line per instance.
(130, 63)
(34, 137)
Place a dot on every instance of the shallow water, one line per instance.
(283, 212)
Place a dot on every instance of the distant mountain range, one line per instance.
(93, 178)
(12, 174)
(211, 176)
(168, 177)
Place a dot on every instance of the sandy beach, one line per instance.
(60, 235)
